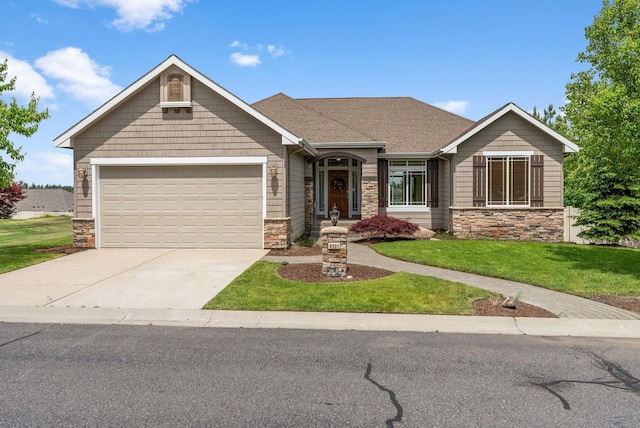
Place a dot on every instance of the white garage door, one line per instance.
(181, 206)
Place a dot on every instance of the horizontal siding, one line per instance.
(510, 133)
(214, 128)
(295, 174)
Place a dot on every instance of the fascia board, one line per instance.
(351, 145)
(569, 146)
(64, 140)
(410, 155)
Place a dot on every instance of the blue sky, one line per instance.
(467, 56)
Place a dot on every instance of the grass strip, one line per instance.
(260, 288)
(583, 270)
(19, 240)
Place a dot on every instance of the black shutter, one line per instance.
(479, 181)
(383, 180)
(537, 180)
(432, 180)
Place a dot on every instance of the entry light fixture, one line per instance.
(274, 170)
(334, 215)
(82, 173)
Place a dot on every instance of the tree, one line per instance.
(18, 119)
(8, 198)
(603, 111)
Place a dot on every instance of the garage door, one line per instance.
(181, 206)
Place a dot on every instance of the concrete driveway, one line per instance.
(127, 278)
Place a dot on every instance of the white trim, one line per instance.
(351, 145)
(408, 209)
(64, 140)
(249, 160)
(175, 104)
(508, 153)
(423, 155)
(569, 146)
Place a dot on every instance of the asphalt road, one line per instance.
(76, 375)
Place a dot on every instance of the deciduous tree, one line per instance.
(22, 120)
(9, 196)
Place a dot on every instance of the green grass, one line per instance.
(19, 240)
(583, 270)
(260, 289)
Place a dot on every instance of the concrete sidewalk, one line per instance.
(325, 321)
(578, 317)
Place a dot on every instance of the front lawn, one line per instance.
(261, 289)
(19, 240)
(583, 270)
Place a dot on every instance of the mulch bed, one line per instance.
(62, 249)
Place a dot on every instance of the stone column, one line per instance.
(334, 251)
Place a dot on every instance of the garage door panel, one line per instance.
(195, 206)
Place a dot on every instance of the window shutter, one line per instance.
(432, 183)
(479, 181)
(174, 88)
(537, 180)
(383, 180)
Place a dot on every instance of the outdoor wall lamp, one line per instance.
(82, 173)
(274, 170)
(334, 214)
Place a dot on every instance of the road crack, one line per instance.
(21, 338)
(392, 396)
(623, 380)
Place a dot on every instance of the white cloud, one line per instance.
(148, 15)
(79, 75)
(456, 107)
(274, 51)
(238, 44)
(253, 59)
(245, 60)
(44, 167)
(28, 80)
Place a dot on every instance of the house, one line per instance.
(39, 202)
(175, 160)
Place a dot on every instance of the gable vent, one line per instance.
(174, 88)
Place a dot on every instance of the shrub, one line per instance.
(8, 198)
(385, 227)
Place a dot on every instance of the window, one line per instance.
(407, 183)
(508, 180)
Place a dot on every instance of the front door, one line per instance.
(339, 191)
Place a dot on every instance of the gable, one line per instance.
(65, 140)
(510, 109)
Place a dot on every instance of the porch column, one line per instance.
(369, 201)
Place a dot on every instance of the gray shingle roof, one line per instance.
(46, 200)
(406, 124)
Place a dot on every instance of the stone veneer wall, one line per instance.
(309, 209)
(509, 224)
(369, 199)
(84, 233)
(334, 260)
(277, 233)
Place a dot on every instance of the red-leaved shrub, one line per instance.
(383, 226)
(8, 198)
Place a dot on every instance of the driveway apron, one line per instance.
(127, 278)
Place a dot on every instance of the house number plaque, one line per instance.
(334, 246)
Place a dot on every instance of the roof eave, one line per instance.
(65, 140)
(452, 148)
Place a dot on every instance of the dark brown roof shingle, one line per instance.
(405, 124)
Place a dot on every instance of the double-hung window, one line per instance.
(508, 180)
(407, 183)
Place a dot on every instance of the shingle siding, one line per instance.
(214, 128)
(510, 133)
